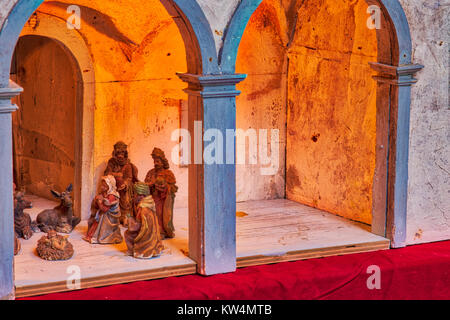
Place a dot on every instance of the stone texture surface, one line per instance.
(5, 8)
(428, 200)
(331, 122)
(218, 13)
(429, 169)
(44, 158)
(262, 104)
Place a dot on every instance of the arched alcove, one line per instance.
(337, 134)
(46, 133)
(73, 43)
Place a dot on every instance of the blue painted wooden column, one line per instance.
(212, 189)
(6, 192)
(212, 102)
(396, 83)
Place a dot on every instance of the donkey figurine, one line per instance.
(22, 221)
(61, 218)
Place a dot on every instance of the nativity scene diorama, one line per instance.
(124, 210)
(172, 145)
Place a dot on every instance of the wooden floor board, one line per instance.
(283, 230)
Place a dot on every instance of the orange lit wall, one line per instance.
(332, 109)
(136, 49)
(309, 60)
(308, 77)
(262, 103)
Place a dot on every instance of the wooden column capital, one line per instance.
(212, 86)
(6, 94)
(393, 127)
(398, 76)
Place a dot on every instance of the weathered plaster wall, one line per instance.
(262, 104)
(334, 172)
(429, 167)
(218, 13)
(45, 125)
(5, 8)
(136, 54)
(331, 125)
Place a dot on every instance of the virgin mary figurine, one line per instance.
(104, 223)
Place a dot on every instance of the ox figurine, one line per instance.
(22, 221)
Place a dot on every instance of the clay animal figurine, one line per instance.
(17, 245)
(22, 220)
(54, 247)
(61, 218)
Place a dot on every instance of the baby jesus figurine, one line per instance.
(143, 236)
(104, 224)
(54, 247)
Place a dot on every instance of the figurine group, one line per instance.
(144, 208)
(59, 219)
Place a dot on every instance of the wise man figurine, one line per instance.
(163, 187)
(126, 175)
(143, 237)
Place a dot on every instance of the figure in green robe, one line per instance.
(143, 236)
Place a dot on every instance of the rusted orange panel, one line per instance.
(332, 109)
(136, 53)
(44, 127)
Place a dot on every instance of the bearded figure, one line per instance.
(126, 175)
(163, 187)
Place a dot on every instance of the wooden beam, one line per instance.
(212, 186)
(108, 280)
(312, 253)
(399, 79)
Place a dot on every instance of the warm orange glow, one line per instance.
(262, 103)
(331, 102)
(44, 146)
(314, 85)
(137, 50)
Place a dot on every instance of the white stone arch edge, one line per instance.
(71, 40)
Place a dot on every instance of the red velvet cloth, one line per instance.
(415, 272)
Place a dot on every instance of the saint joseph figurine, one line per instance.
(126, 175)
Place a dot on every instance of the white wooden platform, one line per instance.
(283, 230)
(99, 264)
(272, 231)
